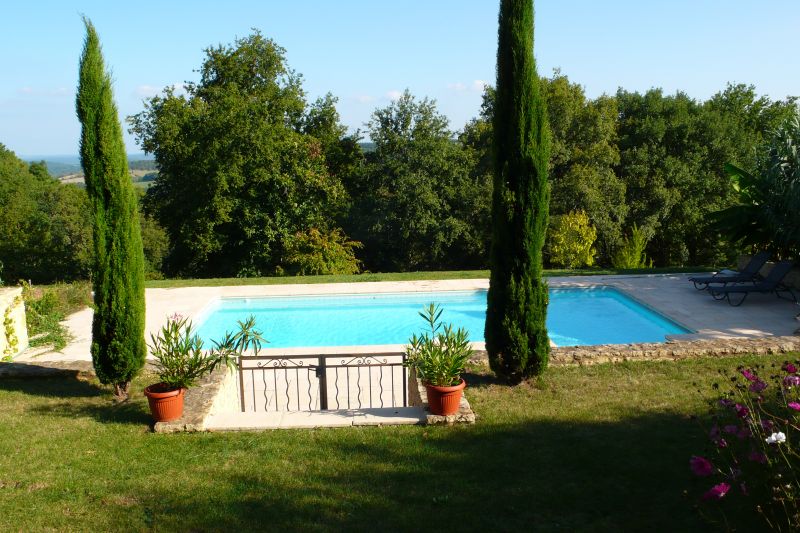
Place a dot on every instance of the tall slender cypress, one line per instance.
(118, 345)
(516, 333)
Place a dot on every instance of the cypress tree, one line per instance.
(118, 345)
(516, 333)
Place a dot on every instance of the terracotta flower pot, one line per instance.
(444, 400)
(166, 404)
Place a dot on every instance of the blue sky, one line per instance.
(365, 52)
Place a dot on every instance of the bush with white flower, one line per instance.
(752, 460)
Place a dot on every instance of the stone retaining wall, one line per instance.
(670, 351)
(197, 404)
(418, 397)
(13, 328)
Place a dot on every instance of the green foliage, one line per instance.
(155, 244)
(11, 338)
(415, 202)
(672, 155)
(571, 241)
(179, 355)
(630, 253)
(439, 354)
(583, 154)
(45, 232)
(516, 334)
(118, 346)
(238, 175)
(46, 308)
(767, 214)
(317, 253)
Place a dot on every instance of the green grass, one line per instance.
(602, 448)
(401, 276)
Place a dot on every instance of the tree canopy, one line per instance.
(240, 174)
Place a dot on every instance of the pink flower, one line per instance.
(701, 466)
(790, 368)
(731, 429)
(758, 386)
(794, 405)
(717, 492)
(757, 457)
(749, 375)
(741, 410)
(791, 381)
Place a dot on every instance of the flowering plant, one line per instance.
(752, 459)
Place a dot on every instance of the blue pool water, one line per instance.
(575, 317)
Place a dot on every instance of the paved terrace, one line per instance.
(670, 294)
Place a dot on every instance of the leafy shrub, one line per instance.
(179, 355)
(440, 354)
(768, 212)
(571, 240)
(753, 461)
(315, 253)
(631, 253)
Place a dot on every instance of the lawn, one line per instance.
(601, 448)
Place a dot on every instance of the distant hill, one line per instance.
(61, 166)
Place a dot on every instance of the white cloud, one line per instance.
(394, 94)
(148, 91)
(54, 92)
(479, 85)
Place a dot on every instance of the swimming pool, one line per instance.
(579, 316)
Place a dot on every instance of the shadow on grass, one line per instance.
(81, 396)
(537, 475)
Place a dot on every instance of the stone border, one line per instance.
(418, 397)
(44, 369)
(669, 351)
(197, 404)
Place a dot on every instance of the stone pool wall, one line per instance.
(669, 351)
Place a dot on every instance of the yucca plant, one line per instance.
(439, 354)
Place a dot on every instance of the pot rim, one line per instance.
(169, 393)
(448, 388)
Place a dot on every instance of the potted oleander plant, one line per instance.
(439, 356)
(181, 361)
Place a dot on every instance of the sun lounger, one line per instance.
(773, 283)
(748, 274)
